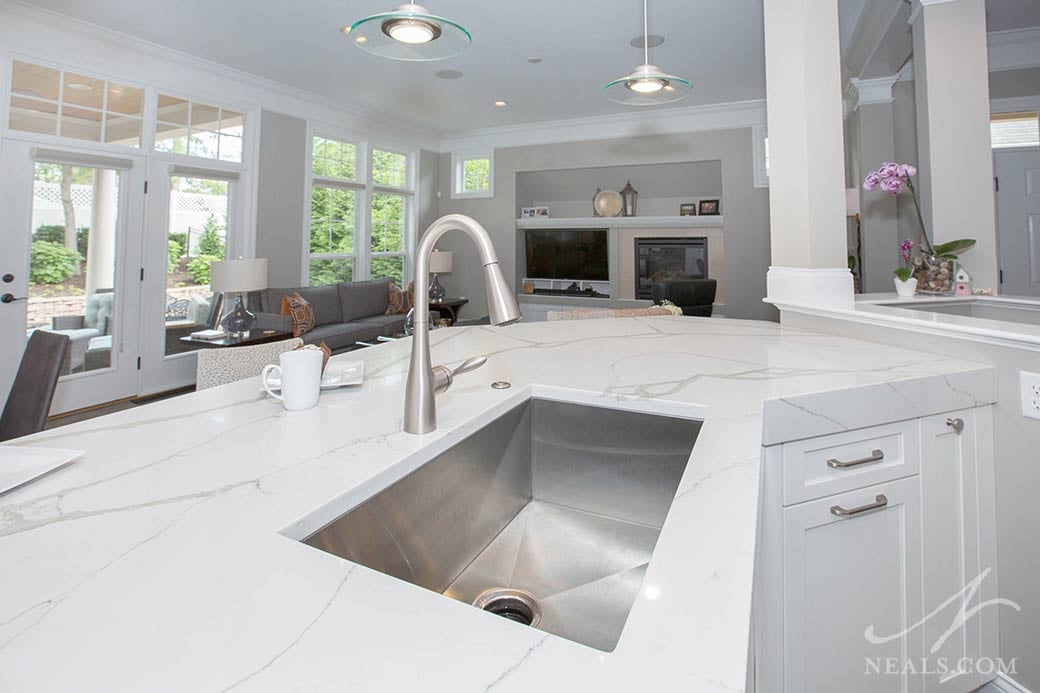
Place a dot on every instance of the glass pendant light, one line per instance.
(409, 32)
(647, 85)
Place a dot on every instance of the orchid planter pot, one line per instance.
(934, 275)
(905, 289)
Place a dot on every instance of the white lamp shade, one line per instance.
(239, 275)
(851, 202)
(440, 262)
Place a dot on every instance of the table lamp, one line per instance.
(439, 262)
(238, 276)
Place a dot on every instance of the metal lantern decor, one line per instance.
(630, 195)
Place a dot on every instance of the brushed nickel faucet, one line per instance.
(424, 381)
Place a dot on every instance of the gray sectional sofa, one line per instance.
(343, 313)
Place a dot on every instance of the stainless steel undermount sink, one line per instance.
(547, 516)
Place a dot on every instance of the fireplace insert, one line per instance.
(661, 259)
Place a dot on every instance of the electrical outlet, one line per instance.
(1030, 387)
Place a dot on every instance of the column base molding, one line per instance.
(830, 287)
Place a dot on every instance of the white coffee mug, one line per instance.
(300, 374)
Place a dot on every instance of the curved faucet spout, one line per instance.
(420, 412)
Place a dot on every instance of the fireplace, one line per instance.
(660, 259)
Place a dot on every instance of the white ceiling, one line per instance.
(716, 45)
(1004, 15)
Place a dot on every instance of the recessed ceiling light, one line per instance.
(653, 40)
(448, 74)
(534, 60)
(78, 86)
(500, 104)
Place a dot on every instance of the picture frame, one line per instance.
(532, 212)
(709, 208)
(688, 209)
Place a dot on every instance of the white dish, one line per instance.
(21, 464)
(336, 375)
(608, 203)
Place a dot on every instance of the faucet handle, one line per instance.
(443, 376)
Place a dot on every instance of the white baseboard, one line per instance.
(825, 287)
(1003, 684)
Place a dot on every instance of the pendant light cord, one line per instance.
(646, 38)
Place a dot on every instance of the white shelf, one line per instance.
(706, 221)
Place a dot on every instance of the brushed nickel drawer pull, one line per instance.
(956, 424)
(879, 502)
(875, 456)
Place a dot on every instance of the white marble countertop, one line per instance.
(161, 561)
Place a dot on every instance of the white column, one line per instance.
(951, 75)
(101, 247)
(806, 155)
(875, 144)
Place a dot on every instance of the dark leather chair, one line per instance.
(694, 296)
(30, 399)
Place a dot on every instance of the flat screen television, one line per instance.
(579, 254)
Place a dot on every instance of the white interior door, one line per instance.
(192, 215)
(70, 239)
(1018, 220)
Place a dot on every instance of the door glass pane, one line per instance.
(73, 260)
(33, 115)
(389, 168)
(331, 271)
(35, 81)
(196, 236)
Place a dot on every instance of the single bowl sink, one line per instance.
(547, 516)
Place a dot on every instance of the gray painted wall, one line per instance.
(282, 197)
(1010, 83)
(904, 120)
(746, 211)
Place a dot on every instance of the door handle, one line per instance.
(10, 298)
(7, 278)
(879, 502)
(875, 456)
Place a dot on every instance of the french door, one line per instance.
(70, 259)
(190, 213)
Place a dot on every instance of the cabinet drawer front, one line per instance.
(823, 466)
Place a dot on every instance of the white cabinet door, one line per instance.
(849, 577)
(957, 550)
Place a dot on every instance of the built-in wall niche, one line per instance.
(662, 188)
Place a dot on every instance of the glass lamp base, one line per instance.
(239, 321)
(437, 292)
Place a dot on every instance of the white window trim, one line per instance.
(365, 187)
(759, 133)
(458, 160)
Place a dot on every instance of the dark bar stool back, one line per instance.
(33, 389)
(694, 296)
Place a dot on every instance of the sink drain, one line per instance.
(516, 605)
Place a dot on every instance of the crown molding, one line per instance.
(724, 116)
(918, 5)
(23, 28)
(1014, 50)
(872, 91)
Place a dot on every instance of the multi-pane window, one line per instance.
(389, 168)
(345, 242)
(198, 129)
(1015, 129)
(388, 232)
(472, 175)
(50, 101)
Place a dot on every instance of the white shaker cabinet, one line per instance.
(863, 535)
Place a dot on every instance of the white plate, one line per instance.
(336, 375)
(608, 203)
(20, 464)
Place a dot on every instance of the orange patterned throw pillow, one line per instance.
(400, 299)
(296, 307)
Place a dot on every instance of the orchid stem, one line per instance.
(920, 217)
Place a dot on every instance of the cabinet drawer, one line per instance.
(823, 466)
